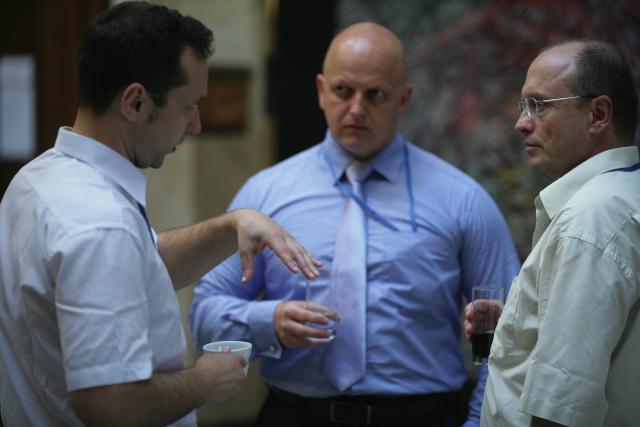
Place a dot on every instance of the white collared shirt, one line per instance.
(567, 345)
(85, 299)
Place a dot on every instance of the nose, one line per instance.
(524, 124)
(357, 105)
(194, 126)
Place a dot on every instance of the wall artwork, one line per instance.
(225, 109)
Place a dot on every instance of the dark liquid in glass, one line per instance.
(481, 344)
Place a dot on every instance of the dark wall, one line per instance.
(49, 30)
(304, 31)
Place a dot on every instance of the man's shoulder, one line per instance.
(431, 167)
(70, 193)
(299, 164)
(609, 191)
(602, 207)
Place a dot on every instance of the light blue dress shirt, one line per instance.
(416, 281)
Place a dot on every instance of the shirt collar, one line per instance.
(388, 162)
(109, 162)
(558, 193)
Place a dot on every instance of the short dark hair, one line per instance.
(602, 69)
(135, 41)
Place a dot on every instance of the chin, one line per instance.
(157, 163)
(355, 146)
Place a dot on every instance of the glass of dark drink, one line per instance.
(487, 306)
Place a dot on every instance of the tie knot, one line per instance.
(357, 171)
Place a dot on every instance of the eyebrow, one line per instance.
(536, 95)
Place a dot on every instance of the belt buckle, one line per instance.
(349, 413)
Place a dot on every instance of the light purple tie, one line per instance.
(345, 358)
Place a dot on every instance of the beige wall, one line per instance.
(201, 177)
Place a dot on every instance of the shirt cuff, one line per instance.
(103, 375)
(263, 331)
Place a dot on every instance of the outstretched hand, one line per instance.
(256, 231)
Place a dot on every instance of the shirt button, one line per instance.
(272, 348)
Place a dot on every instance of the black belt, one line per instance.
(366, 410)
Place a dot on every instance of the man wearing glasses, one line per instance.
(566, 348)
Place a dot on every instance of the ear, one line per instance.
(132, 101)
(601, 115)
(405, 98)
(320, 84)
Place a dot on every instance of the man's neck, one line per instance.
(103, 128)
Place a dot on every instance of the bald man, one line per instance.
(566, 348)
(428, 234)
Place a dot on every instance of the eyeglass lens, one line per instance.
(529, 105)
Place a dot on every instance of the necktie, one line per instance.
(345, 358)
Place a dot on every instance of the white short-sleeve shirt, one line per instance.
(85, 299)
(567, 345)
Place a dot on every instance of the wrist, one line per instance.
(197, 386)
(220, 229)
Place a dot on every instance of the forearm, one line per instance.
(189, 252)
(161, 400)
(477, 396)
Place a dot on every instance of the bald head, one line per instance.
(561, 57)
(363, 89)
(364, 42)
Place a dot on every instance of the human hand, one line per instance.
(256, 231)
(489, 313)
(290, 319)
(221, 375)
(468, 321)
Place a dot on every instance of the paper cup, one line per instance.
(242, 348)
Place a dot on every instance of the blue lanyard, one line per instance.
(368, 210)
(626, 169)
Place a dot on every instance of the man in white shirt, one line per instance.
(566, 347)
(90, 331)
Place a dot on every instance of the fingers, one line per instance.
(295, 256)
(221, 374)
(246, 259)
(292, 320)
(256, 230)
(468, 320)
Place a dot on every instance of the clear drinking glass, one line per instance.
(487, 308)
(320, 297)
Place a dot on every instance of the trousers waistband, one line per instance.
(371, 409)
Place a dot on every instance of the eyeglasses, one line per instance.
(533, 106)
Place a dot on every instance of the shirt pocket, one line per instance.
(507, 325)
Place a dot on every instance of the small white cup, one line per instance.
(242, 348)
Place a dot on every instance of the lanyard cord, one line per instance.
(144, 215)
(412, 203)
(626, 169)
(368, 210)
